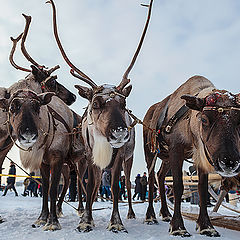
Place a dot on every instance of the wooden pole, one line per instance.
(222, 195)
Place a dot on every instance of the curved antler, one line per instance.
(125, 79)
(79, 74)
(15, 41)
(24, 51)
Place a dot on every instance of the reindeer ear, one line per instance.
(46, 98)
(35, 70)
(126, 91)
(4, 103)
(84, 92)
(4, 96)
(193, 102)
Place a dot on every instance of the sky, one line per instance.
(185, 38)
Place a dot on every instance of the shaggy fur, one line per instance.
(102, 151)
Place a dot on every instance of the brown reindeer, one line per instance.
(206, 129)
(45, 131)
(108, 141)
(39, 79)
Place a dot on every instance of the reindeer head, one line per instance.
(107, 112)
(23, 109)
(219, 129)
(40, 73)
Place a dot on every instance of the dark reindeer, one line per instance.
(108, 141)
(196, 121)
(46, 134)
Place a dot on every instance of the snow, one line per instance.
(20, 213)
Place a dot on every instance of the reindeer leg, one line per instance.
(66, 176)
(150, 215)
(203, 223)
(94, 175)
(115, 224)
(81, 167)
(127, 166)
(42, 219)
(164, 212)
(176, 158)
(56, 168)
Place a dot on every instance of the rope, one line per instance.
(36, 180)
(138, 121)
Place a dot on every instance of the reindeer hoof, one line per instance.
(151, 221)
(51, 226)
(39, 223)
(210, 232)
(85, 227)
(166, 219)
(116, 228)
(179, 232)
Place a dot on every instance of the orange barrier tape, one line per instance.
(7, 175)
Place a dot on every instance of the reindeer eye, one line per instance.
(204, 120)
(35, 106)
(15, 106)
(95, 105)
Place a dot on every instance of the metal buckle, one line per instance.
(168, 128)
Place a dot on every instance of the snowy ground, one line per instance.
(20, 212)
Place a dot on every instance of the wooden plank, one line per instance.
(211, 177)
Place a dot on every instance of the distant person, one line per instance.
(106, 183)
(138, 188)
(11, 180)
(73, 186)
(26, 183)
(1, 188)
(122, 185)
(144, 183)
(32, 186)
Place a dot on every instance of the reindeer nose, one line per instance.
(228, 163)
(26, 136)
(120, 134)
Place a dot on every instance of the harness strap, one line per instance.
(207, 153)
(59, 118)
(46, 134)
(179, 114)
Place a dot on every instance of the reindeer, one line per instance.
(40, 80)
(108, 140)
(196, 121)
(45, 132)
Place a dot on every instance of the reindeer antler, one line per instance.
(125, 79)
(15, 41)
(82, 76)
(24, 51)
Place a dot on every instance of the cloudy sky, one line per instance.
(185, 38)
